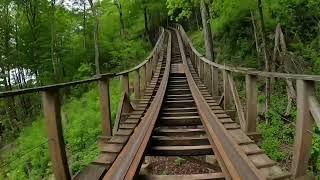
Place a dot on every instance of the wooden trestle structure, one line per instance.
(181, 107)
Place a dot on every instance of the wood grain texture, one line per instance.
(304, 122)
(52, 113)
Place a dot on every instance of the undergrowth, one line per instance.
(81, 125)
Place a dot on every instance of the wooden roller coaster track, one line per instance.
(177, 111)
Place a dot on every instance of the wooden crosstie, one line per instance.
(179, 109)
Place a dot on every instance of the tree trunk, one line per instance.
(56, 72)
(146, 30)
(207, 31)
(196, 16)
(84, 24)
(96, 38)
(255, 36)
(265, 56)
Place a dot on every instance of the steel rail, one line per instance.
(129, 159)
(229, 154)
(244, 70)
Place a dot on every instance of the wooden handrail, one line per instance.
(52, 107)
(243, 70)
(308, 107)
(84, 81)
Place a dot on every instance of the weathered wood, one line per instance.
(315, 109)
(52, 113)
(144, 79)
(252, 106)
(137, 85)
(123, 108)
(125, 84)
(212, 176)
(215, 81)
(237, 102)
(105, 107)
(227, 102)
(234, 162)
(181, 150)
(250, 71)
(303, 135)
(125, 167)
(148, 72)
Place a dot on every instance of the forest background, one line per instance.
(46, 42)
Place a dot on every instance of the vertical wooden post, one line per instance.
(198, 65)
(227, 103)
(215, 81)
(137, 84)
(144, 83)
(148, 72)
(125, 84)
(154, 59)
(201, 70)
(52, 113)
(209, 76)
(251, 96)
(303, 135)
(105, 106)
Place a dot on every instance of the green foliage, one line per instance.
(179, 161)
(197, 39)
(179, 9)
(81, 125)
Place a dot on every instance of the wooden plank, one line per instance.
(235, 164)
(126, 166)
(237, 102)
(105, 107)
(252, 103)
(52, 113)
(303, 137)
(179, 141)
(215, 176)
(179, 131)
(92, 171)
(181, 150)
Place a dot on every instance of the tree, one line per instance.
(96, 37)
(207, 31)
(117, 3)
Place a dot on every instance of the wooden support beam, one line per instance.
(315, 109)
(137, 84)
(214, 81)
(52, 113)
(237, 102)
(198, 65)
(105, 107)
(227, 102)
(125, 84)
(303, 135)
(148, 72)
(252, 103)
(144, 82)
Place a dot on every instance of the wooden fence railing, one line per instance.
(308, 108)
(52, 107)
